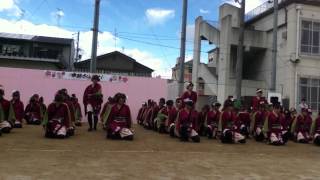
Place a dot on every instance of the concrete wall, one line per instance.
(28, 82)
(287, 72)
(210, 87)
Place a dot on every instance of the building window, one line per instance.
(309, 88)
(201, 86)
(310, 38)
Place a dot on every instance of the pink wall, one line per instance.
(29, 82)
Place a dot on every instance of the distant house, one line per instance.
(115, 63)
(36, 52)
(187, 71)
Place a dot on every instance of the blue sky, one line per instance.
(147, 30)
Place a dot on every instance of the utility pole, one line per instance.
(183, 46)
(95, 30)
(77, 50)
(274, 47)
(239, 65)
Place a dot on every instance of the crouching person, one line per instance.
(301, 127)
(57, 120)
(173, 117)
(163, 117)
(186, 123)
(5, 124)
(77, 109)
(118, 122)
(315, 130)
(273, 126)
(16, 112)
(33, 111)
(257, 122)
(229, 132)
(212, 121)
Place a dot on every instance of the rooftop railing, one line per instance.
(260, 9)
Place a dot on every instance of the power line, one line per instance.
(37, 8)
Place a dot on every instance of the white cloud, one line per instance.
(250, 5)
(105, 45)
(203, 11)
(6, 4)
(157, 16)
(11, 7)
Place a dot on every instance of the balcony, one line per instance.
(22, 58)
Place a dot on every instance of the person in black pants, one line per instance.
(92, 100)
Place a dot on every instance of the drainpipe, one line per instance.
(298, 8)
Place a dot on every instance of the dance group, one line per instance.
(233, 123)
(62, 116)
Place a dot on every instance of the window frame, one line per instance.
(310, 46)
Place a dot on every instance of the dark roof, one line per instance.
(115, 53)
(283, 4)
(32, 38)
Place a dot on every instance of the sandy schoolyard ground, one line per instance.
(27, 155)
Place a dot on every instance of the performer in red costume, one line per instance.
(190, 94)
(119, 120)
(58, 120)
(186, 124)
(92, 100)
(258, 100)
(5, 123)
(16, 110)
(301, 127)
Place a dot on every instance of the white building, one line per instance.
(298, 59)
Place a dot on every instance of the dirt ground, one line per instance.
(27, 155)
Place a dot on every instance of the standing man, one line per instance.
(256, 101)
(92, 100)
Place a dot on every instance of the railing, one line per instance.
(101, 71)
(260, 9)
(2, 56)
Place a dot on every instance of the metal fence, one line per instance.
(261, 9)
(102, 71)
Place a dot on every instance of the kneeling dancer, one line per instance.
(58, 118)
(119, 120)
(186, 123)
